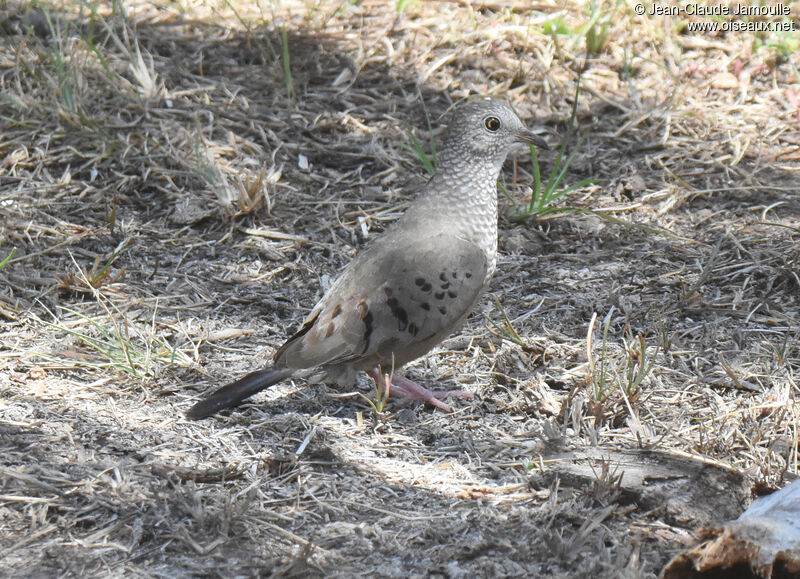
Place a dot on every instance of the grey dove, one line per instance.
(417, 283)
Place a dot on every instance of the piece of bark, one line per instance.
(764, 542)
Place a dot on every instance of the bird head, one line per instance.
(486, 129)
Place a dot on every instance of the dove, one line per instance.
(414, 285)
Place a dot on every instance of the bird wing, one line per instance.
(392, 304)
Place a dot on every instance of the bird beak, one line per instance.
(527, 136)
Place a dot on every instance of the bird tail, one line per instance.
(232, 394)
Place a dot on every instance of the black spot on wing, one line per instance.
(367, 329)
(366, 317)
(398, 312)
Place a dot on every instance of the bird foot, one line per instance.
(408, 391)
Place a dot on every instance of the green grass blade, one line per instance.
(419, 153)
(536, 191)
(582, 183)
(563, 169)
(7, 258)
(556, 166)
(504, 192)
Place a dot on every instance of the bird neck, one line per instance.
(463, 195)
(471, 184)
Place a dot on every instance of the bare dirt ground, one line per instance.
(177, 201)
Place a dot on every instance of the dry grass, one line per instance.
(176, 201)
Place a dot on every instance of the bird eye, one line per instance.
(492, 123)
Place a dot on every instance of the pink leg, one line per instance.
(409, 390)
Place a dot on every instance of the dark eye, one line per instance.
(492, 123)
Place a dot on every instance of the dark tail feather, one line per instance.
(232, 394)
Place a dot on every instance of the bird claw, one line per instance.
(408, 391)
